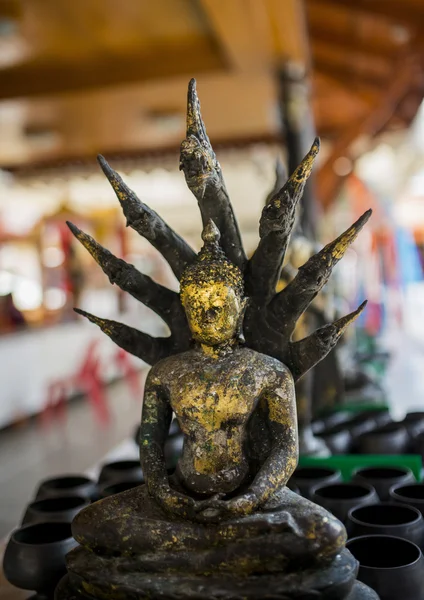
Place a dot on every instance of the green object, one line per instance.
(349, 462)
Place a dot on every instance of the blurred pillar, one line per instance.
(297, 122)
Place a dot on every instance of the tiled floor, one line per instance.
(29, 453)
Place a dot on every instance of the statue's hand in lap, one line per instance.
(176, 503)
(216, 508)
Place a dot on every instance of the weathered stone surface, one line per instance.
(331, 583)
(290, 532)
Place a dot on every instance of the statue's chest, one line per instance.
(212, 398)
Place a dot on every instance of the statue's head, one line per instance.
(212, 293)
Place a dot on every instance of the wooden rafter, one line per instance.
(352, 79)
(328, 182)
(257, 35)
(406, 12)
(340, 42)
(234, 24)
(41, 79)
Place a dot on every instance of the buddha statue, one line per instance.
(224, 524)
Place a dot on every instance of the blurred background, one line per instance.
(83, 77)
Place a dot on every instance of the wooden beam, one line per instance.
(190, 58)
(256, 34)
(366, 95)
(88, 162)
(288, 22)
(405, 12)
(242, 32)
(10, 9)
(354, 62)
(299, 129)
(328, 182)
(353, 42)
(352, 80)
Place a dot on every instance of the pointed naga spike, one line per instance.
(138, 343)
(293, 300)
(160, 299)
(204, 178)
(306, 353)
(276, 224)
(149, 224)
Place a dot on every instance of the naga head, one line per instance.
(212, 293)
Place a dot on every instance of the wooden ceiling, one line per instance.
(79, 77)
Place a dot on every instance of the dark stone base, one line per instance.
(362, 592)
(336, 582)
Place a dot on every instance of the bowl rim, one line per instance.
(368, 486)
(330, 473)
(406, 471)
(84, 480)
(361, 566)
(43, 544)
(394, 490)
(353, 519)
(84, 501)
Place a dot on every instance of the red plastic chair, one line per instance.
(86, 380)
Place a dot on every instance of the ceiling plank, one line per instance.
(354, 62)
(406, 12)
(326, 85)
(328, 182)
(193, 57)
(10, 9)
(288, 21)
(352, 42)
(257, 35)
(355, 81)
(242, 32)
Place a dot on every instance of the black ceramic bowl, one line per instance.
(340, 498)
(109, 489)
(367, 421)
(54, 510)
(414, 423)
(35, 556)
(337, 438)
(409, 494)
(383, 478)
(121, 470)
(69, 485)
(391, 566)
(331, 420)
(390, 518)
(388, 439)
(306, 478)
(417, 444)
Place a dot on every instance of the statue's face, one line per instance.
(213, 312)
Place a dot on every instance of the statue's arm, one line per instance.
(155, 421)
(282, 460)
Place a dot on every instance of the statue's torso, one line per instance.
(213, 400)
